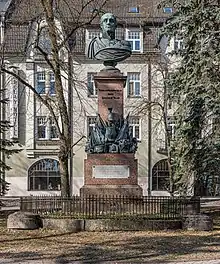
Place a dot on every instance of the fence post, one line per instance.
(21, 204)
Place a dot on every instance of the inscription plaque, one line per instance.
(110, 171)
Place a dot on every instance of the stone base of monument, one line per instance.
(111, 174)
(111, 190)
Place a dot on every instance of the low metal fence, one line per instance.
(97, 207)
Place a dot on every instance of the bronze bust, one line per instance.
(106, 48)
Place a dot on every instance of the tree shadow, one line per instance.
(121, 247)
(32, 238)
(145, 249)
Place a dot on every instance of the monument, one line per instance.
(110, 167)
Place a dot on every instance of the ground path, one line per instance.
(56, 261)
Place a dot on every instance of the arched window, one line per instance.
(44, 175)
(160, 176)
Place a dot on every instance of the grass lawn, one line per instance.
(117, 247)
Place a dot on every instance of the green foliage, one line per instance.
(195, 86)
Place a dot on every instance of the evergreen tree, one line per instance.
(6, 149)
(195, 87)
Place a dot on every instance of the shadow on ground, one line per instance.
(112, 247)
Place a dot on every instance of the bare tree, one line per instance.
(79, 14)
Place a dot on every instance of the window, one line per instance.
(53, 129)
(41, 82)
(45, 83)
(171, 126)
(46, 128)
(91, 121)
(134, 37)
(134, 9)
(135, 129)
(92, 90)
(178, 44)
(134, 85)
(160, 176)
(41, 127)
(168, 10)
(44, 175)
(52, 84)
(93, 33)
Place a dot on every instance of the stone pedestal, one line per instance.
(110, 88)
(114, 172)
(111, 174)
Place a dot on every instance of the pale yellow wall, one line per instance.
(86, 106)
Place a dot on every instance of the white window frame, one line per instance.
(160, 171)
(41, 77)
(133, 125)
(47, 123)
(92, 33)
(90, 124)
(90, 80)
(134, 9)
(52, 124)
(40, 170)
(178, 44)
(52, 80)
(168, 10)
(133, 82)
(131, 36)
(41, 121)
(171, 126)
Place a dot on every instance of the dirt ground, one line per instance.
(118, 247)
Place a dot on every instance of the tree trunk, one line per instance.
(64, 170)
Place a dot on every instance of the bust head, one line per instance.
(107, 48)
(108, 23)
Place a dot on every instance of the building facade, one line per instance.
(35, 170)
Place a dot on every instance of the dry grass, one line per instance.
(116, 247)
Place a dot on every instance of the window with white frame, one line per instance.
(135, 127)
(134, 84)
(44, 175)
(45, 83)
(134, 9)
(91, 121)
(171, 126)
(92, 90)
(53, 129)
(46, 128)
(40, 82)
(168, 10)
(134, 37)
(178, 44)
(160, 176)
(93, 33)
(41, 127)
(52, 83)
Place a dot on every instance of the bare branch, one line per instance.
(40, 98)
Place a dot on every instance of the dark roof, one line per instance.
(16, 38)
(27, 10)
(24, 11)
